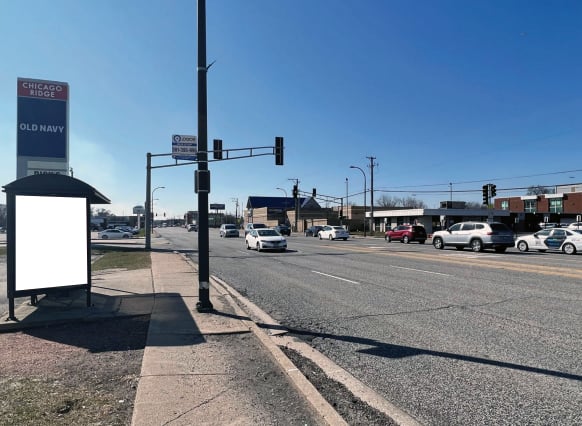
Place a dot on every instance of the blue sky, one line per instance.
(461, 92)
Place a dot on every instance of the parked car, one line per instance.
(192, 227)
(535, 241)
(575, 226)
(406, 234)
(313, 231)
(476, 235)
(251, 226)
(265, 239)
(129, 229)
(228, 230)
(114, 234)
(283, 229)
(565, 240)
(333, 233)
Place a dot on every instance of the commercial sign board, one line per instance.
(217, 206)
(42, 127)
(184, 147)
(138, 210)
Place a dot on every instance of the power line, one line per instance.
(491, 180)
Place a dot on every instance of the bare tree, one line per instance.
(413, 203)
(103, 213)
(539, 190)
(387, 201)
(474, 205)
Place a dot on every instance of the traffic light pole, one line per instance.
(204, 304)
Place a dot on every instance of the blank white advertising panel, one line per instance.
(51, 242)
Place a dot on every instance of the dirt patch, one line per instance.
(353, 410)
(84, 373)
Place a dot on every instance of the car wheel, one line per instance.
(319, 235)
(248, 247)
(126, 236)
(405, 239)
(569, 248)
(438, 243)
(104, 237)
(345, 239)
(388, 239)
(522, 246)
(330, 237)
(500, 249)
(258, 247)
(476, 245)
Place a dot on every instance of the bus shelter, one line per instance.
(48, 236)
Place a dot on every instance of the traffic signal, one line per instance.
(314, 192)
(485, 194)
(278, 151)
(295, 191)
(217, 149)
(493, 190)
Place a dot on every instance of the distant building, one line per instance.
(528, 211)
(435, 219)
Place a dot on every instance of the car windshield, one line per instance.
(338, 228)
(259, 225)
(229, 227)
(267, 233)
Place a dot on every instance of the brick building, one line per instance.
(528, 211)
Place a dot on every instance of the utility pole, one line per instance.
(372, 165)
(296, 198)
(235, 211)
(204, 304)
(347, 214)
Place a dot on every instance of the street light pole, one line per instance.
(152, 206)
(363, 173)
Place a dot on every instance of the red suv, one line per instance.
(406, 234)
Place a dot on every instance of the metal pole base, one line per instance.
(204, 306)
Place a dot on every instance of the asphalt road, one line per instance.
(451, 337)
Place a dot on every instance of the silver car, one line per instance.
(476, 235)
(228, 230)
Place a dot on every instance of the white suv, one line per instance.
(476, 235)
(250, 226)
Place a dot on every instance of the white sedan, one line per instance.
(265, 239)
(114, 234)
(534, 241)
(333, 233)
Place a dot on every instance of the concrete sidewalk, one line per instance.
(198, 368)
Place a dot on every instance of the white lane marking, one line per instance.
(337, 278)
(420, 270)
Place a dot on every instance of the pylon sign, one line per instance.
(42, 129)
